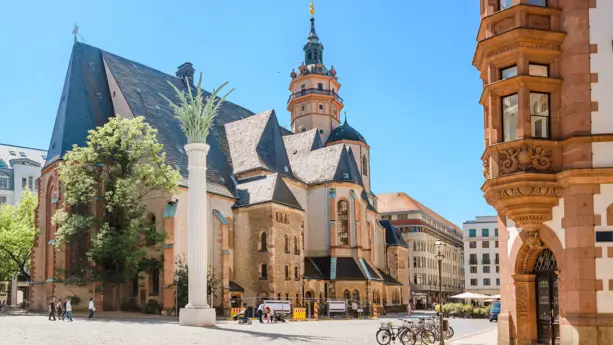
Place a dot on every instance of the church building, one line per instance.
(291, 214)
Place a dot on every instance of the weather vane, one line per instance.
(312, 9)
(75, 33)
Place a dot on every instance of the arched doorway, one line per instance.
(546, 281)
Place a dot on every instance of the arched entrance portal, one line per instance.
(546, 281)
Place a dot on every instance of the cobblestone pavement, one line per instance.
(38, 330)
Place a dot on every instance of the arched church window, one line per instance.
(286, 244)
(365, 166)
(346, 295)
(343, 222)
(356, 296)
(296, 250)
(263, 243)
(309, 55)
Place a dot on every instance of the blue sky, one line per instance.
(405, 67)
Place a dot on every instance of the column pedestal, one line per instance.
(197, 317)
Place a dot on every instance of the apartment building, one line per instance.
(482, 270)
(421, 228)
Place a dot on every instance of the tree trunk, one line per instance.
(111, 297)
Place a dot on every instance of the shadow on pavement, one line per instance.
(274, 336)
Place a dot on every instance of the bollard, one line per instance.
(374, 311)
(445, 325)
(315, 311)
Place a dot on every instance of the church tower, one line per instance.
(314, 100)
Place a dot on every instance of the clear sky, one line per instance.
(405, 67)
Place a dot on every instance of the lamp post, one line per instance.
(439, 256)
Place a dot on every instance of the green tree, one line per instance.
(106, 184)
(17, 233)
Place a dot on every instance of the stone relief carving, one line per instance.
(533, 241)
(486, 167)
(522, 191)
(521, 295)
(524, 45)
(525, 158)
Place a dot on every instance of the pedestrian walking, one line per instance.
(260, 312)
(52, 309)
(92, 309)
(60, 308)
(68, 310)
(64, 307)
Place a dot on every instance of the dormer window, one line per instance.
(13, 153)
(2, 164)
(22, 154)
(346, 176)
(45, 157)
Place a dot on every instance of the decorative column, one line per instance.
(197, 312)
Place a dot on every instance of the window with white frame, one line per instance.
(4, 181)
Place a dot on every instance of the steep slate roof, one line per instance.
(402, 202)
(256, 143)
(392, 235)
(312, 163)
(10, 153)
(260, 189)
(345, 132)
(346, 268)
(388, 279)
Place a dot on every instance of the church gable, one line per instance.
(267, 188)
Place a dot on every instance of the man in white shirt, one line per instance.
(260, 311)
(69, 309)
(91, 308)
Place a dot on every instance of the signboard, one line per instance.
(337, 306)
(235, 311)
(354, 306)
(299, 313)
(284, 307)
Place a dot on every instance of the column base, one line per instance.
(197, 317)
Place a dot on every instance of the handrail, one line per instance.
(305, 92)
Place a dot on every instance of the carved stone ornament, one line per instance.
(486, 167)
(533, 241)
(521, 295)
(522, 191)
(503, 25)
(525, 158)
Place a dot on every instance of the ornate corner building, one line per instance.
(548, 165)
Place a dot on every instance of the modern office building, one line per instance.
(482, 270)
(421, 228)
(547, 73)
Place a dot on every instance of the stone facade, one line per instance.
(547, 127)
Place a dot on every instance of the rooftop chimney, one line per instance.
(186, 70)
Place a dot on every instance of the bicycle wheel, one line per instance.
(384, 337)
(427, 337)
(407, 337)
(449, 332)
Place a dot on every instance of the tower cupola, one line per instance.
(313, 49)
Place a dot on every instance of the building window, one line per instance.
(356, 296)
(539, 114)
(472, 233)
(496, 232)
(13, 153)
(321, 107)
(4, 181)
(24, 182)
(486, 259)
(473, 269)
(539, 70)
(264, 272)
(485, 244)
(22, 154)
(497, 269)
(320, 86)
(510, 117)
(486, 269)
(497, 281)
(2, 164)
(263, 243)
(303, 107)
(472, 244)
(486, 281)
(473, 259)
(364, 166)
(31, 183)
(346, 295)
(343, 222)
(508, 72)
(286, 244)
(538, 2)
(473, 282)
(495, 244)
(485, 233)
(296, 249)
(286, 272)
(504, 4)
(296, 273)
(496, 259)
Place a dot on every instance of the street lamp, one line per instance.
(439, 256)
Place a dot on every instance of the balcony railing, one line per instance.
(314, 92)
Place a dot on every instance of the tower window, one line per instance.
(343, 222)
(364, 166)
(510, 117)
(309, 56)
(303, 107)
(320, 86)
(264, 272)
(508, 72)
(321, 107)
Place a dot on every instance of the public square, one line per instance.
(36, 329)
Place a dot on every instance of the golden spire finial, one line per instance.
(312, 9)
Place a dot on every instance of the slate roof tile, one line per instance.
(266, 188)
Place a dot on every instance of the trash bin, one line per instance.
(445, 325)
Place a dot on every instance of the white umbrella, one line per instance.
(496, 297)
(470, 295)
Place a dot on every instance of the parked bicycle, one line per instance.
(388, 332)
